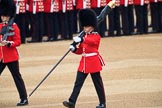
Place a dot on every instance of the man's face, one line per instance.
(88, 29)
(5, 18)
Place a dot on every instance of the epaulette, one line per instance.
(94, 32)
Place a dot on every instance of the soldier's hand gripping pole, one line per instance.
(100, 18)
(52, 69)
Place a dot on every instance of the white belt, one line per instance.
(89, 54)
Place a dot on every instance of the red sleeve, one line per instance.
(79, 49)
(94, 39)
(16, 39)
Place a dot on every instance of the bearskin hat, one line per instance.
(87, 17)
(7, 8)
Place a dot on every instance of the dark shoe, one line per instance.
(23, 102)
(68, 104)
(51, 39)
(101, 106)
(133, 33)
(31, 41)
(118, 33)
(126, 34)
(139, 33)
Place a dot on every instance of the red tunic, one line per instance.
(117, 2)
(91, 61)
(51, 6)
(126, 2)
(99, 3)
(36, 6)
(9, 54)
(20, 6)
(66, 5)
(141, 2)
(82, 4)
(155, 1)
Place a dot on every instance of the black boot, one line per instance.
(101, 106)
(69, 104)
(23, 102)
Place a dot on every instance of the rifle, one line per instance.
(5, 29)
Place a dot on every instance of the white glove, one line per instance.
(3, 43)
(77, 39)
(111, 4)
(72, 48)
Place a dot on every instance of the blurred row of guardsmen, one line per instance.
(54, 18)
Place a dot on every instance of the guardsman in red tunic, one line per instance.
(36, 10)
(51, 11)
(156, 15)
(114, 20)
(91, 61)
(21, 17)
(127, 16)
(97, 6)
(67, 8)
(141, 10)
(9, 55)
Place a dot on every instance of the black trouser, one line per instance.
(51, 25)
(156, 16)
(142, 18)
(114, 22)
(127, 19)
(14, 69)
(97, 81)
(20, 21)
(75, 20)
(160, 8)
(37, 26)
(67, 25)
